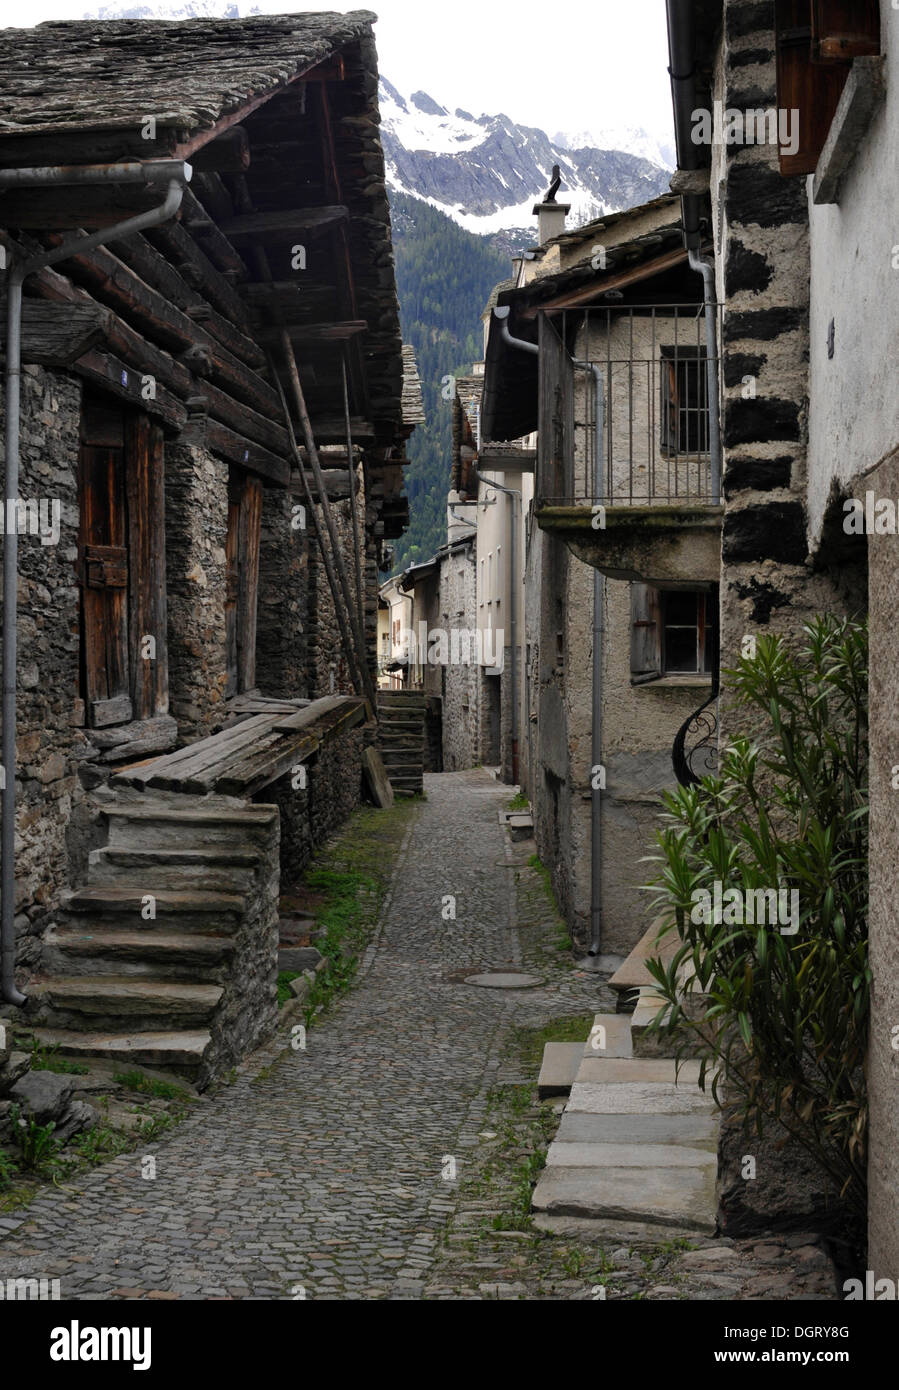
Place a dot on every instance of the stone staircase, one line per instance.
(638, 1140)
(401, 739)
(168, 955)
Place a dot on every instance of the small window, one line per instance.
(684, 413)
(673, 632)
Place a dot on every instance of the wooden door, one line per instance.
(242, 581)
(121, 565)
(103, 571)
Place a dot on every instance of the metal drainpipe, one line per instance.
(707, 272)
(598, 636)
(178, 173)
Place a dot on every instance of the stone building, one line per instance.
(783, 196)
(596, 366)
(195, 220)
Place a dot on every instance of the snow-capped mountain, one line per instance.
(632, 139)
(486, 172)
(191, 9)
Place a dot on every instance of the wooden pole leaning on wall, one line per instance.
(349, 647)
(354, 513)
(337, 555)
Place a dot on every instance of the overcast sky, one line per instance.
(603, 63)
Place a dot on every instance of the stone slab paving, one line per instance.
(329, 1172)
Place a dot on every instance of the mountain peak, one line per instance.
(487, 171)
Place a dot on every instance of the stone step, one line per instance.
(215, 870)
(639, 1098)
(77, 950)
(559, 1068)
(633, 974)
(177, 1051)
(681, 1196)
(123, 1002)
(697, 1130)
(625, 1071)
(155, 824)
(124, 905)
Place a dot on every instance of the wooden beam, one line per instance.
(159, 273)
(288, 220)
(216, 245)
(332, 430)
(236, 448)
(304, 333)
(55, 335)
(62, 207)
(117, 285)
(113, 375)
(195, 267)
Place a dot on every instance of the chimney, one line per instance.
(550, 220)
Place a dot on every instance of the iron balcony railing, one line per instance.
(644, 435)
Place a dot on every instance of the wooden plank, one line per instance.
(331, 429)
(250, 524)
(196, 755)
(144, 484)
(610, 282)
(306, 717)
(308, 219)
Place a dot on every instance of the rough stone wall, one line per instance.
(248, 1012)
(762, 250)
(309, 814)
(48, 745)
(281, 654)
(460, 683)
(639, 723)
(196, 528)
(329, 670)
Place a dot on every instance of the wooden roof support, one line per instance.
(228, 153)
(194, 266)
(304, 333)
(286, 220)
(216, 245)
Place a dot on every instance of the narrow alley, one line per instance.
(319, 1171)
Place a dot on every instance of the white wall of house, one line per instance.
(854, 404)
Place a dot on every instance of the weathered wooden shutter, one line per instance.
(146, 548)
(845, 29)
(646, 634)
(555, 438)
(813, 89)
(103, 574)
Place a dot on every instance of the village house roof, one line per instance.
(278, 118)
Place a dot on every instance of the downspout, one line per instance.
(682, 71)
(707, 272)
(596, 675)
(178, 174)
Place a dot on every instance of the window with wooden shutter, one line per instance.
(646, 634)
(816, 42)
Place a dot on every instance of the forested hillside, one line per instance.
(444, 276)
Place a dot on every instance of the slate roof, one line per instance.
(188, 74)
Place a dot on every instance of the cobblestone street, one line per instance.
(321, 1170)
(327, 1173)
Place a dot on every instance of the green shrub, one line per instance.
(782, 1015)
